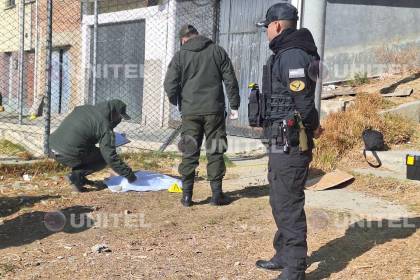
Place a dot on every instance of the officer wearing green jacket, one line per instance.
(194, 83)
(73, 144)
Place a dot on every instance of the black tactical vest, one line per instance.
(278, 100)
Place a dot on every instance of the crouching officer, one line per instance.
(73, 144)
(290, 122)
(194, 83)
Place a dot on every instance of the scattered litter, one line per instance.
(329, 87)
(27, 177)
(101, 248)
(60, 257)
(329, 181)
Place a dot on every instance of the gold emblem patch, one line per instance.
(297, 86)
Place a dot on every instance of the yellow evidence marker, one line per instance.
(175, 189)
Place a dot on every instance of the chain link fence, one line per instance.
(99, 50)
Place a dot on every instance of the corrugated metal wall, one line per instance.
(121, 46)
(248, 48)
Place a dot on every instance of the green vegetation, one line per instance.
(358, 80)
(8, 148)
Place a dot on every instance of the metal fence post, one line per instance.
(36, 64)
(216, 7)
(48, 69)
(95, 55)
(21, 59)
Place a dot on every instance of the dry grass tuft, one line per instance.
(406, 58)
(343, 130)
(150, 160)
(45, 166)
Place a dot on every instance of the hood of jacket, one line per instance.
(197, 44)
(106, 109)
(292, 38)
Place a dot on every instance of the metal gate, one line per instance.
(248, 49)
(120, 60)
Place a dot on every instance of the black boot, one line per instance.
(187, 192)
(269, 265)
(77, 182)
(218, 198)
(186, 199)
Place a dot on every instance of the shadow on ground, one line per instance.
(247, 192)
(33, 226)
(11, 205)
(359, 238)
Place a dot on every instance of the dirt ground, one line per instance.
(151, 236)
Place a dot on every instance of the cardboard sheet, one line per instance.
(328, 181)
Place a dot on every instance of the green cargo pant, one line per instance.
(194, 128)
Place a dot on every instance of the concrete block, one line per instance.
(410, 111)
(332, 106)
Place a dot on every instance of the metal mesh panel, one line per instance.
(99, 51)
(21, 73)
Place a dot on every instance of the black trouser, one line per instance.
(81, 167)
(193, 130)
(287, 175)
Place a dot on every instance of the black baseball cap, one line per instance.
(121, 108)
(186, 30)
(279, 11)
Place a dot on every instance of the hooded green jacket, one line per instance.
(85, 127)
(195, 75)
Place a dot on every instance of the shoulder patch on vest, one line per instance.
(296, 73)
(297, 85)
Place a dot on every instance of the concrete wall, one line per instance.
(162, 25)
(359, 32)
(9, 27)
(29, 136)
(66, 34)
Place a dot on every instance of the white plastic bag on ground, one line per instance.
(146, 181)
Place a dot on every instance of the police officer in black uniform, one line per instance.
(290, 123)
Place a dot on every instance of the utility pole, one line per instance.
(314, 18)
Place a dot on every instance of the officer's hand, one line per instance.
(234, 114)
(132, 177)
(318, 132)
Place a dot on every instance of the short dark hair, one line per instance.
(288, 24)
